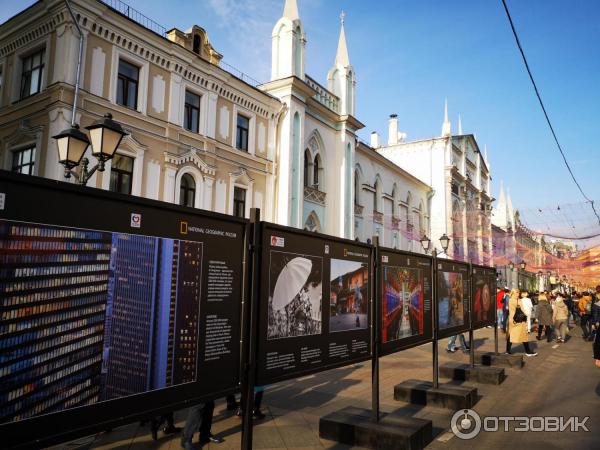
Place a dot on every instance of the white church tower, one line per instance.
(341, 78)
(288, 41)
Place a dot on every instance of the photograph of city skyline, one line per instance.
(88, 316)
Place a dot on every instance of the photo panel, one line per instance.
(314, 304)
(405, 308)
(121, 304)
(453, 294)
(483, 309)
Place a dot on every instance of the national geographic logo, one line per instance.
(183, 227)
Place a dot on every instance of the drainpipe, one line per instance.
(78, 62)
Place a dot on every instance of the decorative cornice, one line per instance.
(190, 157)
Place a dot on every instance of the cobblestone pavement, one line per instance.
(561, 381)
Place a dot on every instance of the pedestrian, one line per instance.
(544, 317)
(499, 307)
(505, 310)
(585, 313)
(256, 411)
(169, 427)
(595, 314)
(597, 350)
(569, 302)
(527, 306)
(451, 348)
(560, 316)
(517, 326)
(199, 419)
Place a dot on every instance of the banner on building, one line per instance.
(453, 298)
(483, 307)
(314, 303)
(111, 307)
(405, 309)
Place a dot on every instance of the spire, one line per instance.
(290, 10)
(341, 58)
(460, 132)
(446, 127)
(485, 156)
(500, 211)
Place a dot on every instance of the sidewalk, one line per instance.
(562, 380)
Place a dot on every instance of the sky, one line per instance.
(410, 55)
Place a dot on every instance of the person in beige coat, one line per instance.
(560, 315)
(517, 332)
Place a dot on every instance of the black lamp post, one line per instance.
(426, 243)
(106, 135)
(445, 242)
(511, 265)
(523, 264)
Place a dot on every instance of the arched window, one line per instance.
(356, 188)
(196, 46)
(187, 191)
(377, 202)
(316, 167)
(306, 168)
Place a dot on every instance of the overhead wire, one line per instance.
(539, 97)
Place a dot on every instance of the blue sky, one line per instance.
(409, 55)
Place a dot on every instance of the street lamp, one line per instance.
(445, 242)
(426, 243)
(511, 265)
(523, 264)
(106, 135)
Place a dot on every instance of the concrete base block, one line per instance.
(501, 359)
(445, 396)
(353, 426)
(477, 374)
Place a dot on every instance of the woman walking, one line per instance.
(517, 326)
(560, 316)
(544, 317)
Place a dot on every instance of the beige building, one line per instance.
(198, 135)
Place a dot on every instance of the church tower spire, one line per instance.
(446, 127)
(460, 130)
(290, 10)
(341, 78)
(341, 57)
(288, 41)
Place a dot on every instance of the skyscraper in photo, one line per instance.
(130, 318)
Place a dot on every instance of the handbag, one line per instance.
(519, 316)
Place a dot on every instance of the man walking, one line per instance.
(199, 418)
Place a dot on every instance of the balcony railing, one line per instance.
(314, 195)
(358, 210)
(323, 96)
(378, 217)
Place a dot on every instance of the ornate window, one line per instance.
(23, 160)
(32, 74)
(127, 84)
(196, 45)
(191, 112)
(306, 168)
(239, 202)
(187, 191)
(243, 128)
(316, 167)
(121, 174)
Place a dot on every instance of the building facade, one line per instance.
(335, 183)
(459, 174)
(198, 135)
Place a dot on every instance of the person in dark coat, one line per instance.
(597, 350)
(544, 317)
(595, 314)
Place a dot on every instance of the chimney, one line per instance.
(375, 139)
(393, 130)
